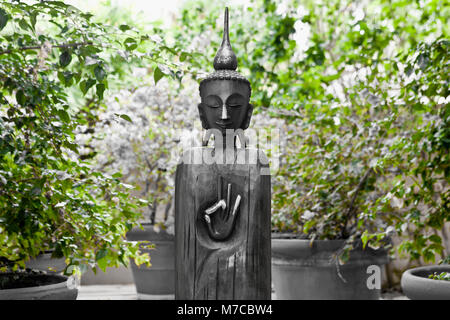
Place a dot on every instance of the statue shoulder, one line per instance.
(194, 155)
(257, 156)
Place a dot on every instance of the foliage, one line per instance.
(440, 276)
(145, 150)
(363, 89)
(359, 89)
(49, 53)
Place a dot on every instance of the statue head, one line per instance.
(225, 94)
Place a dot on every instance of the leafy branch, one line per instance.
(64, 45)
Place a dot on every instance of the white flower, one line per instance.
(282, 7)
(390, 231)
(140, 148)
(397, 202)
(301, 36)
(308, 215)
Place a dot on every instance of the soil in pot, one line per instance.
(304, 272)
(417, 286)
(157, 281)
(35, 286)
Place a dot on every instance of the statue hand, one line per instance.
(224, 220)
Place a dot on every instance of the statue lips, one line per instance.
(225, 124)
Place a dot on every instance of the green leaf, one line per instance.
(183, 56)
(102, 264)
(157, 75)
(124, 27)
(365, 238)
(130, 44)
(3, 18)
(171, 50)
(123, 261)
(24, 24)
(99, 73)
(66, 78)
(33, 16)
(435, 238)
(71, 146)
(63, 115)
(85, 85)
(65, 58)
(100, 90)
(125, 117)
(20, 97)
(117, 175)
(101, 254)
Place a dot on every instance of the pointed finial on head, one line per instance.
(225, 58)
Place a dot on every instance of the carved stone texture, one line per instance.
(238, 265)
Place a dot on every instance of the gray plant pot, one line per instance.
(44, 286)
(417, 286)
(157, 281)
(304, 272)
(45, 262)
(120, 275)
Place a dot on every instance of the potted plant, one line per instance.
(361, 162)
(157, 281)
(145, 150)
(427, 282)
(36, 286)
(50, 196)
(360, 178)
(302, 269)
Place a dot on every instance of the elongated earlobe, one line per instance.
(246, 121)
(202, 115)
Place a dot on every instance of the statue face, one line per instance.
(225, 105)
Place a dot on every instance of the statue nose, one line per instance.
(224, 113)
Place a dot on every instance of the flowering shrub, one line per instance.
(48, 200)
(363, 89)
(143, 147)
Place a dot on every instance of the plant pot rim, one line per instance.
(52, 291)
(296, 236)
(332, 244)
(63, 279)
(416, 284)
(149, 233)
(321, 253)
(417, 274)
(309, 240)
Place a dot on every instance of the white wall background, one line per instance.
(164, 10)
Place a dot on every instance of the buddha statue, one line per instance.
(225, 93)
(222, 209)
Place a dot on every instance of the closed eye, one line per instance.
(236, 100)
(213, 101)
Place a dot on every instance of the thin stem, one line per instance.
(351, 208)
(64, 45)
